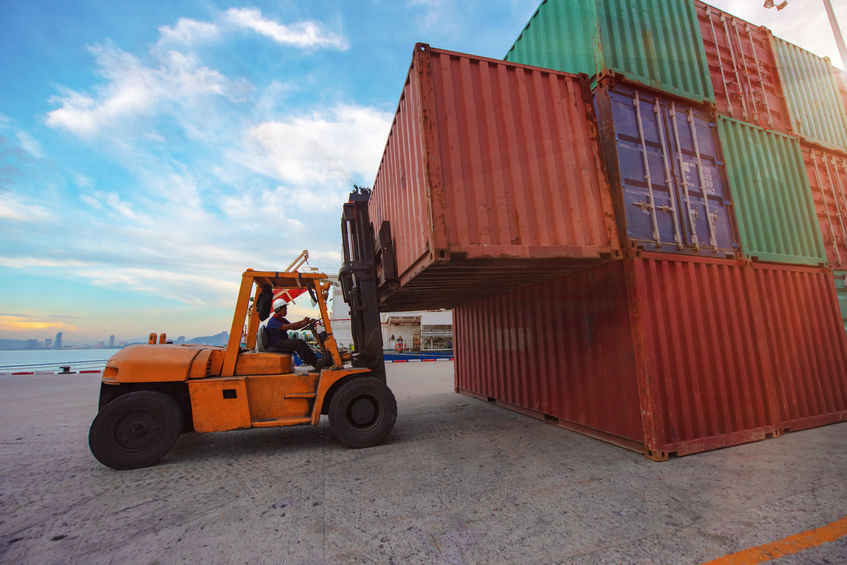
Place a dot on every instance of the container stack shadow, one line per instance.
(642, 229)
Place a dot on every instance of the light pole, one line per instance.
(836, 31)
(839, 39)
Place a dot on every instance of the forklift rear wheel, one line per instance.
(362, 412)
(135, 430)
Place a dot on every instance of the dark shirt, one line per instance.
(276, 335)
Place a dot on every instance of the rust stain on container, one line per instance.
(806, 340)
(827, 172)
(664, 355)
(743, 69)
(491, 173)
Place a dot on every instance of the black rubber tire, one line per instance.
(135, 430)
(362, 412)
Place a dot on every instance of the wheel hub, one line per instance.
(138, 430)
(363, 411)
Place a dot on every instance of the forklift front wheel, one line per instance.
(362, 412)
(135, 430)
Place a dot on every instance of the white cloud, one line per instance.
(436, 13)
(203, 288)
(189, 32)
(14, 208)
(299, 34)
(82, 181)
(134, 90)
(30, 262)
(29, 144)
(332, 147)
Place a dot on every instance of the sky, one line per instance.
(152, 151)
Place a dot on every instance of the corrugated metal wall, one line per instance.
(520, 170)
(665, 350)
(561, 348)
(399, 191)
(560, 35)
(656, 43)
(807, 342)
(773, 202)
(827, 174)
(816, 110)
(491, 175)
(704, 365)
(664, 161)
(743, 69)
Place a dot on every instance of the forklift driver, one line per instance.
(278, 342)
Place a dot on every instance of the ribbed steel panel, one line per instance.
(827, 173)
(491, 177)
(816, 110)
(773, 202)
(743, 69)
(656, 43)
(703, 370)
(561, 348)
(665, 165)
(840, 280)
(664, 351)
(807, 342)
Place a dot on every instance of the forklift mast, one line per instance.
(359, 282)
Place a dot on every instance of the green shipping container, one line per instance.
(773, 202)
(656, 43)
(840, 278)
(814, 104)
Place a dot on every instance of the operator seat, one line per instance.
(262, 342)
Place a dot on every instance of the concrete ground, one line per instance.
(459, 481)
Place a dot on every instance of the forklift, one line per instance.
(152, 393)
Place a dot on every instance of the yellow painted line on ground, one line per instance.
(786, 546)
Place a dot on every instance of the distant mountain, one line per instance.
(217, 339)
(13, 344)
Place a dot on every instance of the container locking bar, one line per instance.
(832, 233)
(720, 60)
(710, 218)
(695, 242)
(677, 234)
(653, 220)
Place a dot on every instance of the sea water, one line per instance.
(52, 360)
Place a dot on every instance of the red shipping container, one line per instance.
(807, 343)
(665, 355)
(743, 69)
(491, 173)
(827, 172)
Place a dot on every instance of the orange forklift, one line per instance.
(152, 393)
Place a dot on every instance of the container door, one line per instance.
(644, 169)
(670, 172)
(706, 209)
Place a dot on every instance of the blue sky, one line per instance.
(151, 151)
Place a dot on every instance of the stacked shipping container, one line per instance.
(716, 321)
(479, 199)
